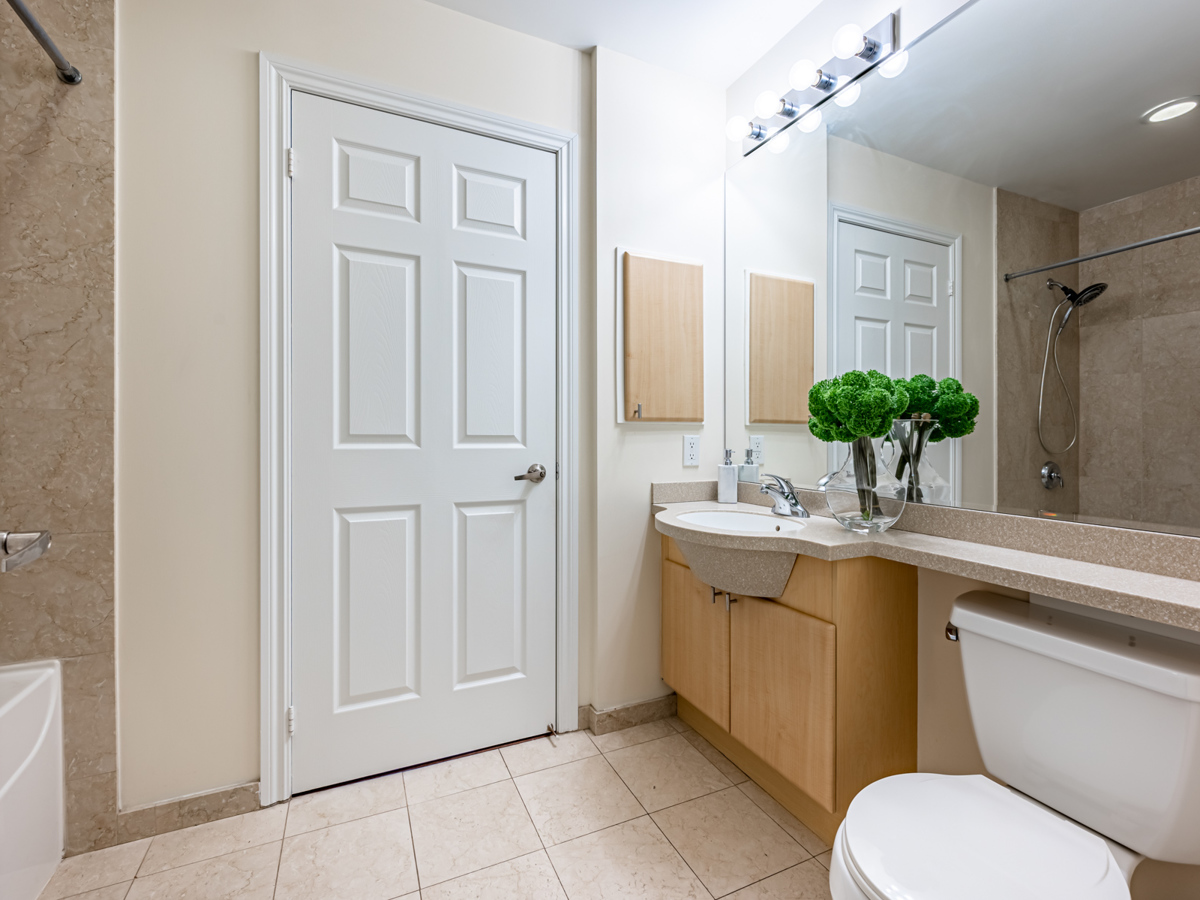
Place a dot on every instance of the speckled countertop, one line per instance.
(1157, 598)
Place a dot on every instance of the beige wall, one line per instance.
(1139, 358)
(1030, 233)
(56, 383)
(867, 179)
(658, 190)
(187, 334)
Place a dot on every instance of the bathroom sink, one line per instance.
(743, 523)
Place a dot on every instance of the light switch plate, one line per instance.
(691, 449)
(756, 448)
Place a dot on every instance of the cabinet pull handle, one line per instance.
(729, 600)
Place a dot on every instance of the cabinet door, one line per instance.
(695, 642)
(782, 692)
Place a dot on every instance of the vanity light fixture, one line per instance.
(848, 96)
(805, 74)
(894, 64)
(809, 121)
(769, 104)
(779, 142)
(1172, 109)
(739, 127)
(850, 41)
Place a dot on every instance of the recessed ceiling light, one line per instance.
(1172, 109)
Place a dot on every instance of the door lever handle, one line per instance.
(22, 548)
(536, 474)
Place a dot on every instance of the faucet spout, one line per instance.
(786, 502)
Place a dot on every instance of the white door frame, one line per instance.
(277, 78)
(850, 215)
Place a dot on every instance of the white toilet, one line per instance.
(1096, 720)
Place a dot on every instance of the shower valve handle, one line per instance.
(22, 547)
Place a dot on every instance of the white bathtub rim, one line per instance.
(51, 669)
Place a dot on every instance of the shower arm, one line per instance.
(67, 73)
(1079, 259)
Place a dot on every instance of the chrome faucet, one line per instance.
(784, 495)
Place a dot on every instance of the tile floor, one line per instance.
(651, 812)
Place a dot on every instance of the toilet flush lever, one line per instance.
(951, 632)
(21, 548)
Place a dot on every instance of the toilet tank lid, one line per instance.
(1157, 663)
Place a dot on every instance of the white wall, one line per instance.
(187, 333)
(658, 190)
(889, 186)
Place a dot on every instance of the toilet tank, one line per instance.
(1097, 720)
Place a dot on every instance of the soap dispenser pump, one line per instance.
(748, 471)
(727, 480)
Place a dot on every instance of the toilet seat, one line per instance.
(946, 837)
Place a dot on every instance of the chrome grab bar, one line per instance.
(22, 547)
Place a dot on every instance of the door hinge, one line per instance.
(291, 162)
(556, 471)
(291, 719)
(950, 288)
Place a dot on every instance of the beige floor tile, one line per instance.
(543, 753)
(631, 861)
(824, 858)
(576, 799)
(807, 881)
(455, 775)
(716, 757)
(345, 803)
(728, 841)
(638, 734)
(801, 833)
(679, 725)
(366, 859)
(665, 772)
(469, 831)
(112, 892)
(189, 845)
(242, 875)
(525, 878)
(100, 868)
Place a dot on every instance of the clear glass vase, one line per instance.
(907, 461)
(863, 495)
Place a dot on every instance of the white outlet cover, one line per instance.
(691, 449)
(757, 447)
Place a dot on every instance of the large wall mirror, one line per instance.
(1020, 135)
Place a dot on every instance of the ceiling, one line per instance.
(1044, 98)
(713, 41)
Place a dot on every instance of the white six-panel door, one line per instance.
(894, 311)
(424, 379)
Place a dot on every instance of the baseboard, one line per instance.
(172, 815)
(621, 717)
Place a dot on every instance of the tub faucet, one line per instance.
(784, 495)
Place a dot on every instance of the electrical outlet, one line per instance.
(756, 448)
(691, 449)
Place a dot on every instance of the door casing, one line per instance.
(278, 77)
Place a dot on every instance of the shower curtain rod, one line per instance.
(1070, 262)
(67, 73)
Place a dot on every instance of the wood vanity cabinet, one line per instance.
(812, 694)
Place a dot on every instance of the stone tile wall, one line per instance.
(56, 382)
(1140, 361)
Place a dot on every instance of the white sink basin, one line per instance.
(744, 523)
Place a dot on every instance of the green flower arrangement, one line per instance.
(950, 410)
(855, 405)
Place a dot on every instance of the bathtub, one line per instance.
(31, 777)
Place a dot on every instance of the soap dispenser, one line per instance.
(727, 480)
(748, 471)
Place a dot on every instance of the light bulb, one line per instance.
(804, 74)
(779, 142)
(848, 96)
(809, 121)
(767, 104)
(848, 41)
(737, 128)
(894, 64)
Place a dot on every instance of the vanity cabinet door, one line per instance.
(782, 692)
(695, 642)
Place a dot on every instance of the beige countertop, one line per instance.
(1157, 598)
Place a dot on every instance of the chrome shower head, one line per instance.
(1089, 293)
(1076, 298)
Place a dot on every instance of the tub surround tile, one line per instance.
(547, 752)
(91, 813)
(179, 848)
(454, 775)
(638, 734)
(800, 833)
(243, 875)
(345, 803)
(529, 877)
(632, 861)
(665, 772)
(469, 831)
(367, 859)
(89, 703)
(807, 881)
(576, 799)
(103, 868)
